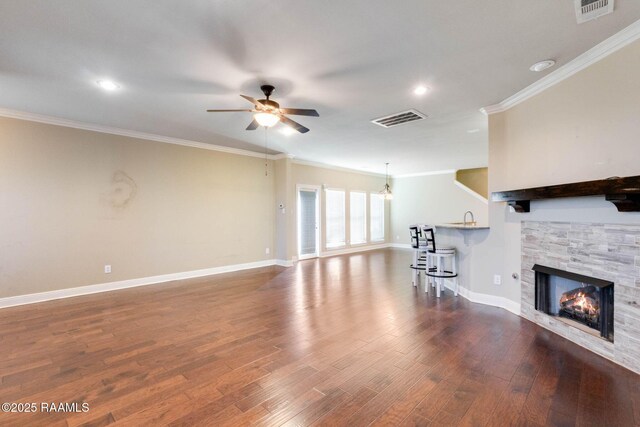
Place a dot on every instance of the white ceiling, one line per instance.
(352, 60)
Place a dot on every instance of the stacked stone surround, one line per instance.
(606, 251)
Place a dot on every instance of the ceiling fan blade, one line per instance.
(253, 101)
(297, 126)
(253, 125)
(226, 111)
(300, 112)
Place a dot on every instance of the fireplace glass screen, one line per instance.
(574, 300)
(581, 301)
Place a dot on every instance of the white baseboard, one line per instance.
(475, 297)
(284, 262)
(152, 280)
(132, 283)
(487, 299)
(353, 249)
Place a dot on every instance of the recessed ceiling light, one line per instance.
(420, 90)
(473, 130)
(108, 84)
(286, 130)
(542, 65)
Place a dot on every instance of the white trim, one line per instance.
(131, 283)
(281, 156)
(486, 299)
(366, 218)
(344, 243)
(411, 175)
(284, 262)
(359, 248)
(593, 55)
(318, 190)
(39, 118)
(337, 168)
(471, 192)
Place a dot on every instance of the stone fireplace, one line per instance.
(569, 274)
(581, 301)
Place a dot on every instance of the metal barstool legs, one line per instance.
(436, 267)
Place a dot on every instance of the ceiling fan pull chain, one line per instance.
(266, 164)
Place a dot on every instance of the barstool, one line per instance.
(419, 245)
(436, 262)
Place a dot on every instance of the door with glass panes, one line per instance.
(308, 221)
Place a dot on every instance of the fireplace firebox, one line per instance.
(581, 301)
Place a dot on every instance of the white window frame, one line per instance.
(366, 219)
(344, 219)
(384, 228)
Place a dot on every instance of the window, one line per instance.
(335, 218)
(358, 217)
(377, 217)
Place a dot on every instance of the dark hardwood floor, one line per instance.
(337, 341)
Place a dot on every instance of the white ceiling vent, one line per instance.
(398, 119)
(586, 10)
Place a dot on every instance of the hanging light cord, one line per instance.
(387, 186)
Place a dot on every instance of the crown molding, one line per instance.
(40, 118)
(411, 175)
(491, 109)
(282, 156)
(337, 168)
(600, 51)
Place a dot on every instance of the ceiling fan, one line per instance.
(268, 112)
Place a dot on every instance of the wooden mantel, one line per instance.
(622, 192)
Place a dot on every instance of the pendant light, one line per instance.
(386, 191)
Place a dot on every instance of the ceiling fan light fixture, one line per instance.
(266, 119)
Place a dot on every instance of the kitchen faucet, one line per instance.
(464, 221)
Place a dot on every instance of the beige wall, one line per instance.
(431, 199)
(476, 179)
(284, 216)
(72, 201)
(303, 174)
(585, 127)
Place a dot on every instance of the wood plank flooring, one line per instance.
(337, 341)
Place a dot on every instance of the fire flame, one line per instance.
(583, 304)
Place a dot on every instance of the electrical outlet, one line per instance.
(497, 279)
(267, 251)
(397, 237)
(107, 269)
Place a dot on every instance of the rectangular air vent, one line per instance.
(586, 10)
(399, 118)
